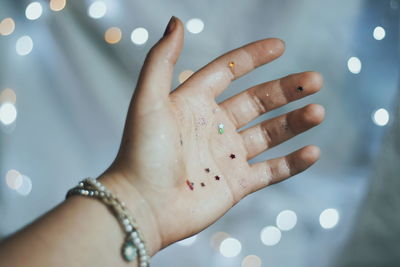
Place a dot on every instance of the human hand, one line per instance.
(175, 160)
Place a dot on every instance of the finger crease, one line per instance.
(267, 136)
(257, 104)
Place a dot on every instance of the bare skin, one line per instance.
(172, 153)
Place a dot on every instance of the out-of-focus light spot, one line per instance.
(251, 261)
(8, 113)
(270, 235)
(286, 220)
(188, 241)
(8, 95)
(24, 45)
(380, 117)
(354, 65)
(184, 75)
(113, 35)
(57, 5)
(97, 10)
(26, 186)
(33, 11)
(379, 33)
(329, 218)
(139, 36)
(14, 179)
(7, 26)
(217, 239)
(230, 247)
(394, 4)
(195, 25)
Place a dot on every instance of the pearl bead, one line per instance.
(136, 241)
(143, 264)
(134, 234)
(142, 252)
(143, 258)
(128, 228)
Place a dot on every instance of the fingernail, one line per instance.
(171, 26)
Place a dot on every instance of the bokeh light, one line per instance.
(14, 179)
(217, 239)
(33, 11)
(7, 26)
(329, 218)
(57, 5)
(113, 35)
(8, 113)
(8, 95)
(251, 261)
(270, 235)
(139, 36)
(26, 186)
(379, 33)
(286, 220)
(97, 10)
(195, 25)
(184, 75)
(24, 45)
(354, 65)
(381, 117)
(230, 247)
(188, 241)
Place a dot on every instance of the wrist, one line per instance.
(138, 207)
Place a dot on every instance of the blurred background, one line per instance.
(68, 70)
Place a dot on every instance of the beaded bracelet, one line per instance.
(133, 246)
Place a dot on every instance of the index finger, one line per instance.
(218, 74)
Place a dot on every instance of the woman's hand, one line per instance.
(182, 156)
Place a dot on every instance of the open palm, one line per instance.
(182, 151)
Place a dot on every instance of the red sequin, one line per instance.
(217, 177)
(232, 156)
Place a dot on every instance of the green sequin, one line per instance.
(220, 128)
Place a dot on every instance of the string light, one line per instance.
(329, 218)
(354, 65)
(24, 45)
(14, 179)
(381, 117)
(7, 26)
(26, 187)
(195, 25)
(270, 235)
(217, 239)
(379, 33)
(139, 36)
(97, 10)
(113, 35)
(230, 247)
(251, 261)
(184, 75)
(8, 113)
(57, 5)
(8, 95)
(286, 220)
(33, 11)
(188, 241)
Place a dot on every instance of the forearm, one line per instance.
(81, 231)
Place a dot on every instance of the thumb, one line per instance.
(155, 78)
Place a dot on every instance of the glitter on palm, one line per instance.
(221, 128)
